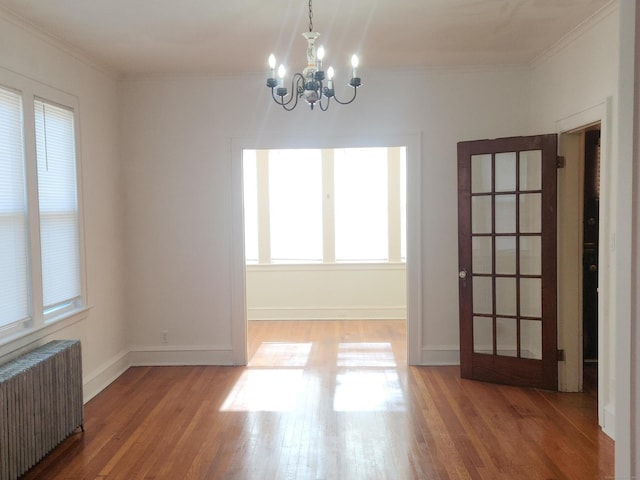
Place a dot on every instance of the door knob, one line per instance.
(462, 274)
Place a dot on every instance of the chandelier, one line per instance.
(310, 83)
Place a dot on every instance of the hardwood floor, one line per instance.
(329, 400)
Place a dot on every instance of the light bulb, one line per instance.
(330, 74)
(272, 66)
(320, 56)
(281, 73)
(354, 65)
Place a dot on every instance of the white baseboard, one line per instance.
(440, 356)
(104, 375)
(108, 372)
(327, 313)
(178, 355)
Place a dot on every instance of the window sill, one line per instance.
(19, 341)
(303, 267)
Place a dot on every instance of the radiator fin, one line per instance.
(40, 404)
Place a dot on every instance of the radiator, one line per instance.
(40, 404)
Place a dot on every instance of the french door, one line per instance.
(507, 259)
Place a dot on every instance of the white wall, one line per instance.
(627, 339)
(102, 332)
(177, 134)
(326, 291)
(634, 397)
(572, 85)
(631, 462)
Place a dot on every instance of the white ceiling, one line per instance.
(142, 37)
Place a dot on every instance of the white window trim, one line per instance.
(38, 325)
(16, 341)
(324, 267)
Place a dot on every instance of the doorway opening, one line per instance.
(324, 235)
(578, 248)
(590, 246)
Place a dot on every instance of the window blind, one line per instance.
(14, 291)
(58, 204)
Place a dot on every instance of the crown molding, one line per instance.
(56, 42)
(573, 35)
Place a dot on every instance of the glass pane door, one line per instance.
(506, 220)
(507, 260)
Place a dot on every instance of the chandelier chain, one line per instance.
(310, 17)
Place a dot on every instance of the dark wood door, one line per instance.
(507, 258)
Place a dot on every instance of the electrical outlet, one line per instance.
(165, 336)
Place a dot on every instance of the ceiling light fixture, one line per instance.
(310, 83)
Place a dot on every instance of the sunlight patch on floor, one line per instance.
(368, 391)
(280, 354)
(366, 355)
(265, 390)
(279, 378)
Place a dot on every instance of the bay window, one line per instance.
(325, 205)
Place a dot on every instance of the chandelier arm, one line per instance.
(355, 91)
(323, 107)
(297, 87)
(285, 105)
(297, 83)
(294, 95)
(279, 100)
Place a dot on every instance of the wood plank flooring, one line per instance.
(329, 400)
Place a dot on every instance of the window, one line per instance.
(57, 197)
(40, 254)
(361, 207)
(14, 298)
(324, 205)
(295, 206)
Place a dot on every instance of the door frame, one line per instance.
(237, 274)
(570, 328)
